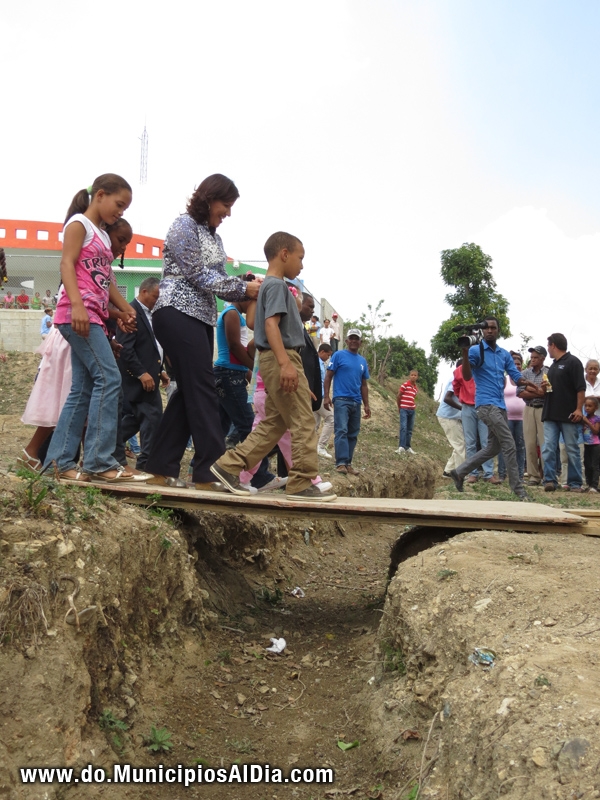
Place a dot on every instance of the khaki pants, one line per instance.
(282, 412)
(454, 433)
(327, 417)
(533, 433)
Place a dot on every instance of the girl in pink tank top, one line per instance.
(80, 317)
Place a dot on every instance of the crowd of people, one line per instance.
(542, 421)
(24, 302)
(104, 361)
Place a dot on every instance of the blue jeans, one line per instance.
(133, 445)
(570, 432)
(407, 423)
(346, 426)
(516, 428)
(236, 412)
(94, 396)
(472, 426)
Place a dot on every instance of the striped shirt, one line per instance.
(406, 395)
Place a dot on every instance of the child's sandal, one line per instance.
(29, 462)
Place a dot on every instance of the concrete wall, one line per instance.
(20, 330)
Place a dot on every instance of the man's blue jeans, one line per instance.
(94, 396)
(472, 426)
(516, 428)
(407, 423)
(346, 425)
(570, 432)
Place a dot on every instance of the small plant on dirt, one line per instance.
(224, 657)
(537, 549)
(36, 489)
(154, 498)
(166, 543)
(162, 514)
(241, 745)
(542, 680)
(159, 740)
(393, 658)
(272, 598)
(108, 722)
(412, 793)
(446, 573)
(202, 762)
(92, 496)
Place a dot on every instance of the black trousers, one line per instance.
(591, 464)
(194, 408)
(144, 417)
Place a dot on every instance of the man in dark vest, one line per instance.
(141, 365)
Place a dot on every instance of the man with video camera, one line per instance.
(486, 362)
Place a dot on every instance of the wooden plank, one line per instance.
(465, 514)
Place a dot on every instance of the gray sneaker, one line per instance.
(232, 482)
(458, 481)
(312, 493)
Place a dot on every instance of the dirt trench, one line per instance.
(176, 638)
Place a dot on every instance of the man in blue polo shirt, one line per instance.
(487, 363)
(350, 389)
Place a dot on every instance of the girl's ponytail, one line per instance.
(79, 204)
(109, 183)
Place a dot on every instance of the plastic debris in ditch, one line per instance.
(298, 592)
(483, 657)
(277, 646)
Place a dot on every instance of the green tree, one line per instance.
(469, 270)
(372, 324)
(397, 357)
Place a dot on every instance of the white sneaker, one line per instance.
(276, 483)
(400, 450)
(322, 452)
(249, 488)
(411, 451)
(323, 486)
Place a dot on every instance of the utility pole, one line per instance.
(144, 157)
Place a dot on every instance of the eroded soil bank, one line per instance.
(184, 614)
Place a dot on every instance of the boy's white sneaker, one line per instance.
(322, 452)
(411, 451)
(400, 450)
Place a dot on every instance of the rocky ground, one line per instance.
(185, 607)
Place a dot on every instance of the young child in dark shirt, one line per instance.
(591, 443)
(279, 337)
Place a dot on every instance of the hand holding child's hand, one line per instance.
(288, 380)
(126, 320)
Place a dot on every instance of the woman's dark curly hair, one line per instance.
(215, 187)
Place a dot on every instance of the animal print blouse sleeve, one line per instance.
(194, 271)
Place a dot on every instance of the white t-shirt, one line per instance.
(90, 228)
(592, 391)
(326, 335)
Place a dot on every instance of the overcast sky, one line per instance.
(378, 132)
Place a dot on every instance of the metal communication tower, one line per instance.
(144, 157)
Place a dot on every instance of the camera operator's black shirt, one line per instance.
(567, 379)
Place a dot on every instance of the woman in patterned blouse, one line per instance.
(183, 320)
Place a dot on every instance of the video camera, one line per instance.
(471, 334)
